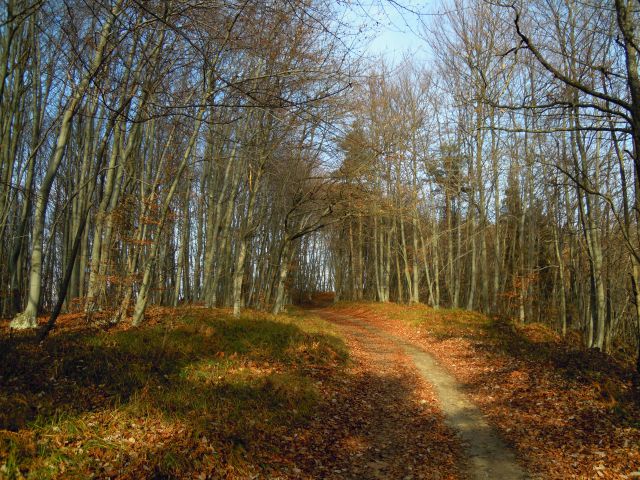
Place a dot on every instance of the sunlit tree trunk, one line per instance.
(27, 319)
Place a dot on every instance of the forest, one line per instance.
(184, 184)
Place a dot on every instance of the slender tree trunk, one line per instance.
(27, 319)
(283, 269)
(141, 302)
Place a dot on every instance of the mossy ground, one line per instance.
(195, 393)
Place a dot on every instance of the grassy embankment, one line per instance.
(194, 394)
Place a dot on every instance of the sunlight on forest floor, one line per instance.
(193, 390)
(195, 393)
(568, 412)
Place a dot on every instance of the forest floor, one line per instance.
(355, 391)
(486, 456)
(566, 413)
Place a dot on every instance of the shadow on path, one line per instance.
(487, 455)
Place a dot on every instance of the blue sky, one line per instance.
(394, 31)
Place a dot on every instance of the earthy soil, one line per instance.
(484, 454)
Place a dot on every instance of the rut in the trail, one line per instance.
(385, 423)
(488, 456)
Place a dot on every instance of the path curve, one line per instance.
(489, 457)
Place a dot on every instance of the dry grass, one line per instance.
(193, 394)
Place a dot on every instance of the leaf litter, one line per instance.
(568, 413)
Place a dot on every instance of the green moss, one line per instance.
(204, 374)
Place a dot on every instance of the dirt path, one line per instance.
(383, 422)
(486, 454)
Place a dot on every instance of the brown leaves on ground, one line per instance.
(197, 394)
(568, 413)
(382, 420)
(194, 393)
